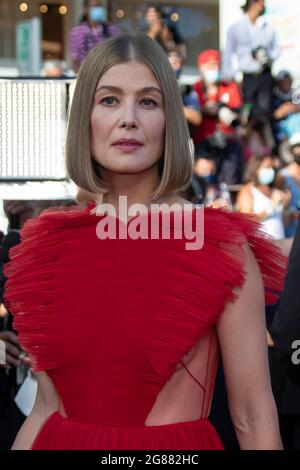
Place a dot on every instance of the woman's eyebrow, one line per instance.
(116, 89)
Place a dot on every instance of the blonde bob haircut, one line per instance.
(175, 166)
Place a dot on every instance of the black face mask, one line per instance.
(297, 159)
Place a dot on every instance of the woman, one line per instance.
(133, 363)
(289, 178)
(258, 196)
(163, 30)
(92, 29)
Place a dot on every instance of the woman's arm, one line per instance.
(242, 336)
(245, 203)
(46, 403)
(244, 200)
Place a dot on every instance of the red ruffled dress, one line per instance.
(117, 323)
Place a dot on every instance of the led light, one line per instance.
(23, 7)
(32, 129)
(63, 10)
(120, 13)
(43, 8)
(174, 17)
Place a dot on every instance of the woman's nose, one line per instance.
(129, 118)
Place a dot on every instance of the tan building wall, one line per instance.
(198, 23)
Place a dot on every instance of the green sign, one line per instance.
(28, 41)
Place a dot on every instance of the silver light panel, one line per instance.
(32, 129)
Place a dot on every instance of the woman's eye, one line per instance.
(108, 100)
(149, 102)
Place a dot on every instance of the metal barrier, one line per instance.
(33, 120)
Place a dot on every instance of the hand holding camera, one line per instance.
(228, 117)
(260, 54)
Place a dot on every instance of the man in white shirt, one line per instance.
(252, 40)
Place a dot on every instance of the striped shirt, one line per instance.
(83, 39)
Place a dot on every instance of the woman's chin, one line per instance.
(129, 168)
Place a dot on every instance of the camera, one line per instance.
(217, 141)
(260, 54)
(229, 118)
(185, 89)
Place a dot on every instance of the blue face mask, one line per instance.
(266, 176)
(97, 14)
(211, 76)
(178, 73)
(210, 179)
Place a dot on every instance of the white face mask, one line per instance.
(266, 176)
(211, 76)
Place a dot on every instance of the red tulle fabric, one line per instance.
(110, 320)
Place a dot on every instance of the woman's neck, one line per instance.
(265, 189)
(253, 16)
(93, 25)
(134, 188)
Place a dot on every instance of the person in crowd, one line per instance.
(221, 104)
(289, 178)
(205, 176)
(259, 196)
(17, 212)
(15, 371)
(257, 139)
(54, 69)
(92, 29)
(253, 42)
(163, 30)
(191, 105)
(11, 418)
(148, 355)
(286, 113)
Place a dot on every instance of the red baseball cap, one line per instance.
(209, 55)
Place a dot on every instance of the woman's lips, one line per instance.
(127, 147)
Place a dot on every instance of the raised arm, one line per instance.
(242, 336)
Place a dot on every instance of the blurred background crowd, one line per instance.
(244, 122)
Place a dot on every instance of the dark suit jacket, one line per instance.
(285, 328)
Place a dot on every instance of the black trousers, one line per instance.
(229, 160)
(257, 91)
(11, 419)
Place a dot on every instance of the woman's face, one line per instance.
(152, 15)
(265, 174)
(266, 163)
(128, 104)
(94, 3)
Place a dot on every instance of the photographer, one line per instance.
(161, 29)
(286, 112)
(221, 106)
(192, 108)
(289, 178)
(252, 40)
